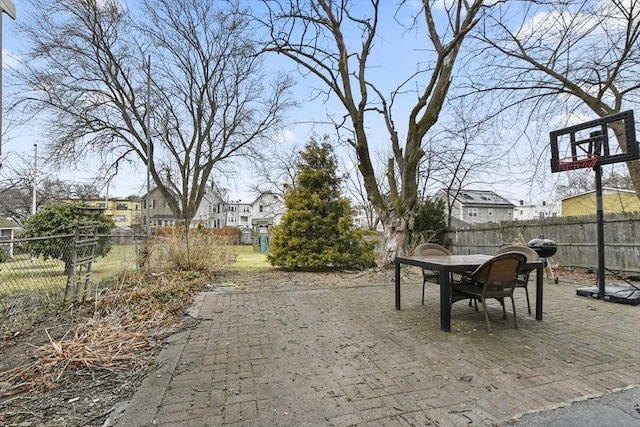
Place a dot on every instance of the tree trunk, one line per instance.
(633, 166)
(395, 237)
(634, 172)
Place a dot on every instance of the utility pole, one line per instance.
(6, 6)
(148, 222)
(35, 175)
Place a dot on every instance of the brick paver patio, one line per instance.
(345, 356)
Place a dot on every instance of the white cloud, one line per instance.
(286, 135)
(8, 60)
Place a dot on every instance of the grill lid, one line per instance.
(544, 247)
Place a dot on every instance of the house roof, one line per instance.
(263, 194)
(8, 223)
(481, 198)
(605, 190)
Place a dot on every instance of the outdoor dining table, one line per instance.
(445, 265)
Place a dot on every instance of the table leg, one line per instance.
(445, 301)
(539, 286)
(397, 280)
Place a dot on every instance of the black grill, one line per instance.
(545, 248)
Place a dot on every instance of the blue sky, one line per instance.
(397, 54)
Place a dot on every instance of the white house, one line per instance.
(8, 229)
(268, 206)
(543, 210)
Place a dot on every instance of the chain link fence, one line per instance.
(31, 282)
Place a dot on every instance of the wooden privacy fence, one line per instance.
(576, 238)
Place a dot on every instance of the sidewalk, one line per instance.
(346, 357)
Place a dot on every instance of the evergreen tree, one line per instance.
(317, 232)
(430, 223)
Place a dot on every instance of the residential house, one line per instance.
(476, 206)
(268, 206)
(160, 214)
(366, 217)
(266, 210)
(613, 200)
(212, 212)
(543, 210)
(125, 213)
(239, 214)
(8, 229)
(216, 212)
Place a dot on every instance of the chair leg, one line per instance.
(486, 314)
(515, 318)
(526, 290)
(504, 311)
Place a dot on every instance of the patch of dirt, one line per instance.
(74, 391)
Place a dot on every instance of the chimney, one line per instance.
(521, 202)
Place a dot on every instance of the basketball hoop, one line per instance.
(578, 162)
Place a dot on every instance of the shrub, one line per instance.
(58, 220)
(202, 252)
(316, 231)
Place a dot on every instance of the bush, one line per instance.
(59, 220)
(316, 231)
(430, 223)
(202, 251)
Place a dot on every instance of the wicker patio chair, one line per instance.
(430, 249)
(496, 278)
(523, 277)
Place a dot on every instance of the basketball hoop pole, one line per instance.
(600, 230)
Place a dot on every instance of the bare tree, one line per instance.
(334, 40)
(461, 155)
(564, 59)
(582, 180)
(16, 188)
(87, 76)
(277, 174)
(353, 186)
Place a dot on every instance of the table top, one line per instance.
(445, 260)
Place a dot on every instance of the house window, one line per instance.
(166, 204)
(120, 218)
(122, 206)
(490, 211)
(472, 212)
(261, 209)
(509, 212)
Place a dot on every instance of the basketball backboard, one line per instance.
(609, 139)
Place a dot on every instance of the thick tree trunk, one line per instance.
(634, 172)
(396, 236)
